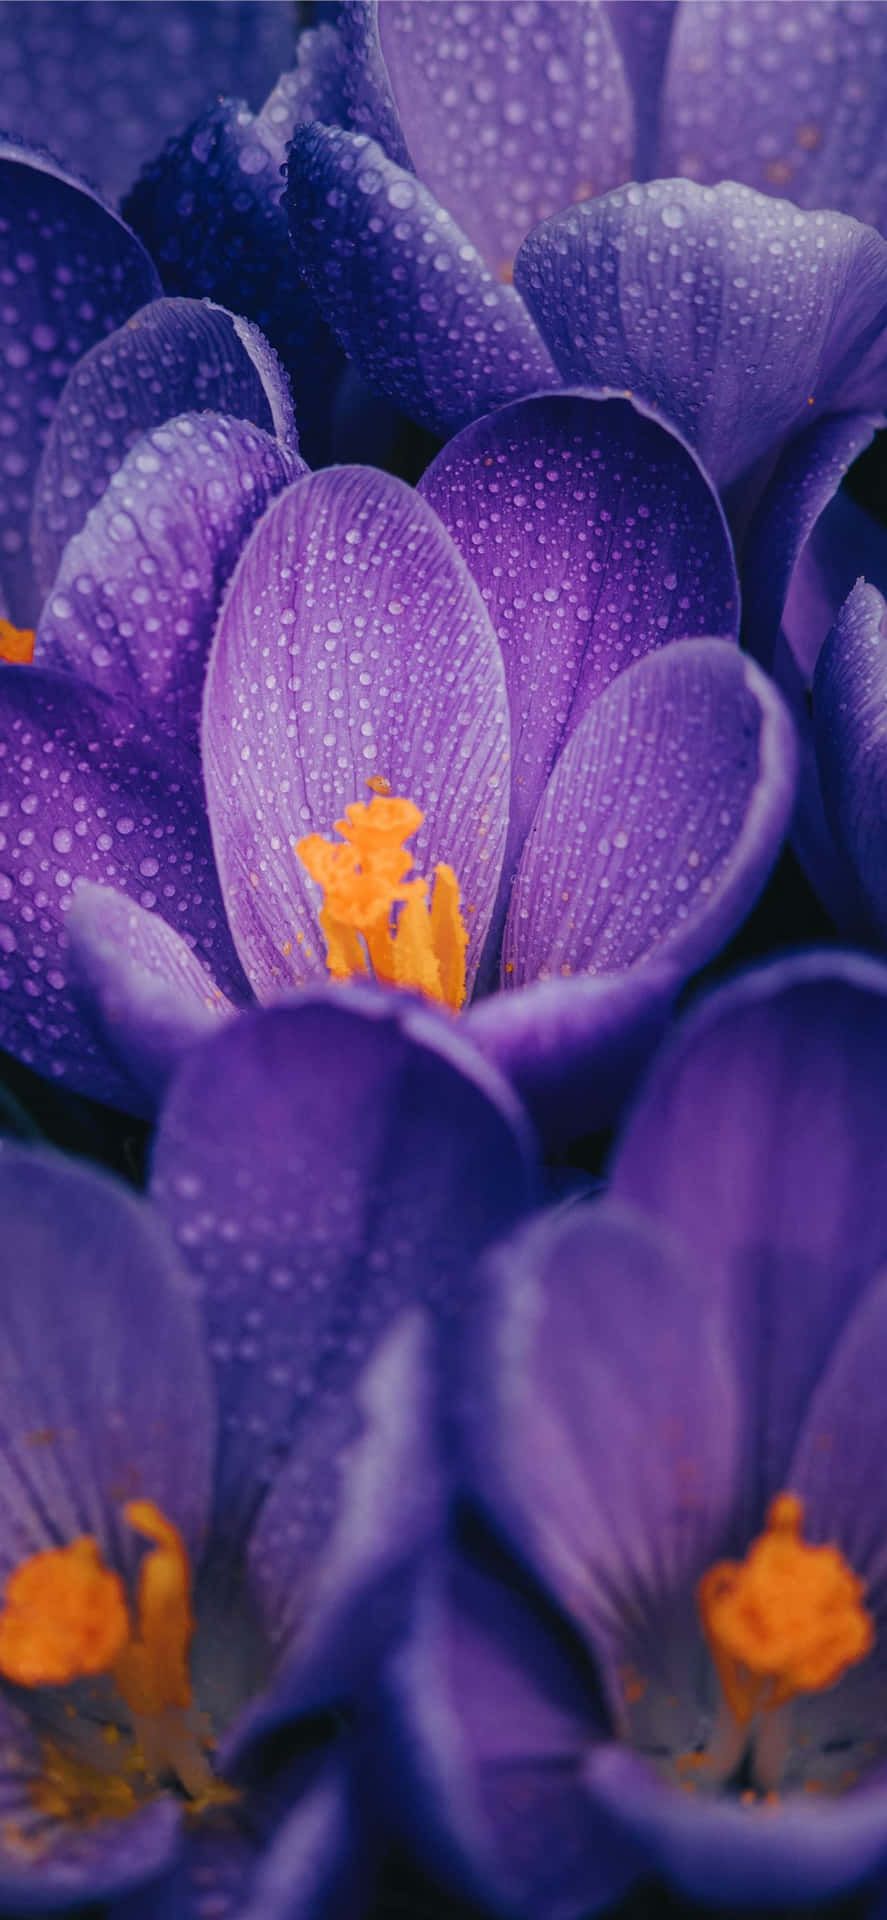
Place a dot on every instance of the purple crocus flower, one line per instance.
(212, 1374)
(353, 645)
(582, 1700)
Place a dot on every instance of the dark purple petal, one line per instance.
(210, 210)
(494, 1711)
(104, 1382)
(660, 823)
(806, 543)
(824, 863)
(593, 537)
(323, 1164)
(371, 107)
(508, 115)
(140, 985)
(759, 1138)
(790, 1855)
(107, 1860)
(601, 1417)
(402, 288)
(574, 1049)
(314, 89)
(74, 272)
(849, 693)
(86, 796)
(837, 1460)
(642, 31)
(313, 1868)
(647, 289)
(352, 643)
(135, 600)
(106, 85)
(175, 356)
(790, 100)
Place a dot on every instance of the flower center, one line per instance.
(375, 920)
(65, 1618)
(16, 644)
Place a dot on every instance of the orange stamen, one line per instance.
(151, 1671)
(372, 916)
(16, 644)
(64, 1616)
(786, 1620)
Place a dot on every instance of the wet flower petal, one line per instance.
(849, 688)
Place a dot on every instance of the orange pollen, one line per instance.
(374, 919)
(16, 644)
(788, 1619)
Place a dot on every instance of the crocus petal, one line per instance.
(175, 356)
(849, 690)
(806, 543)
(642, 31)
(109, 1860)
(789, 100)
(612, 1482)
(86, 796)
(661, 821)
(323, 1164)
(824, 863)
(108, 86)
(493, 1709)
(140, 985)
(645, 289)
(482, 95)
(593, 537)
(210, 210)
(313, 1869)
(758, 1137)
(314, 89)
(574, 1049)
(787, 1856)
(402, 288)
(73, 272)
(136, 596)
(92, 1291)
(352, 643)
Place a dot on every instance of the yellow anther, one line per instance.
(788, 1619)
(16, 644)
(151, 1671)
(373, 918)
(64, 1616)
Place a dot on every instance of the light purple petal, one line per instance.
(175, 356)
(508, 116)
(402, 288)
(323, 1164)
(759, 1138)
(74, 271)
(647, 289)
(790, 100)
(660, 823)
(135, 600)
(849, 695)
(352, 643)
(86, 796)
(593, 537)
(140, 986)
(642, 31)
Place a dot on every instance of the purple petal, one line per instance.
(593, 537)
(642, 31)
(352, 643)
(836, 1465)
(313, 1868)
(403, 290)
(93, 1294)
(849, 691)
(314, 89)
(85, 796)
(483, 95)
(759, 1139)
(803, 541)
(74, 272)
(661, 821)
(574, 1049)
(823, 862)
(108, 84)
(140, 986)
(791, 101)
(602, 1417)
(323, 1164)
(494, 1709)
(135, 601)
(636, 290)
(176, 356)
